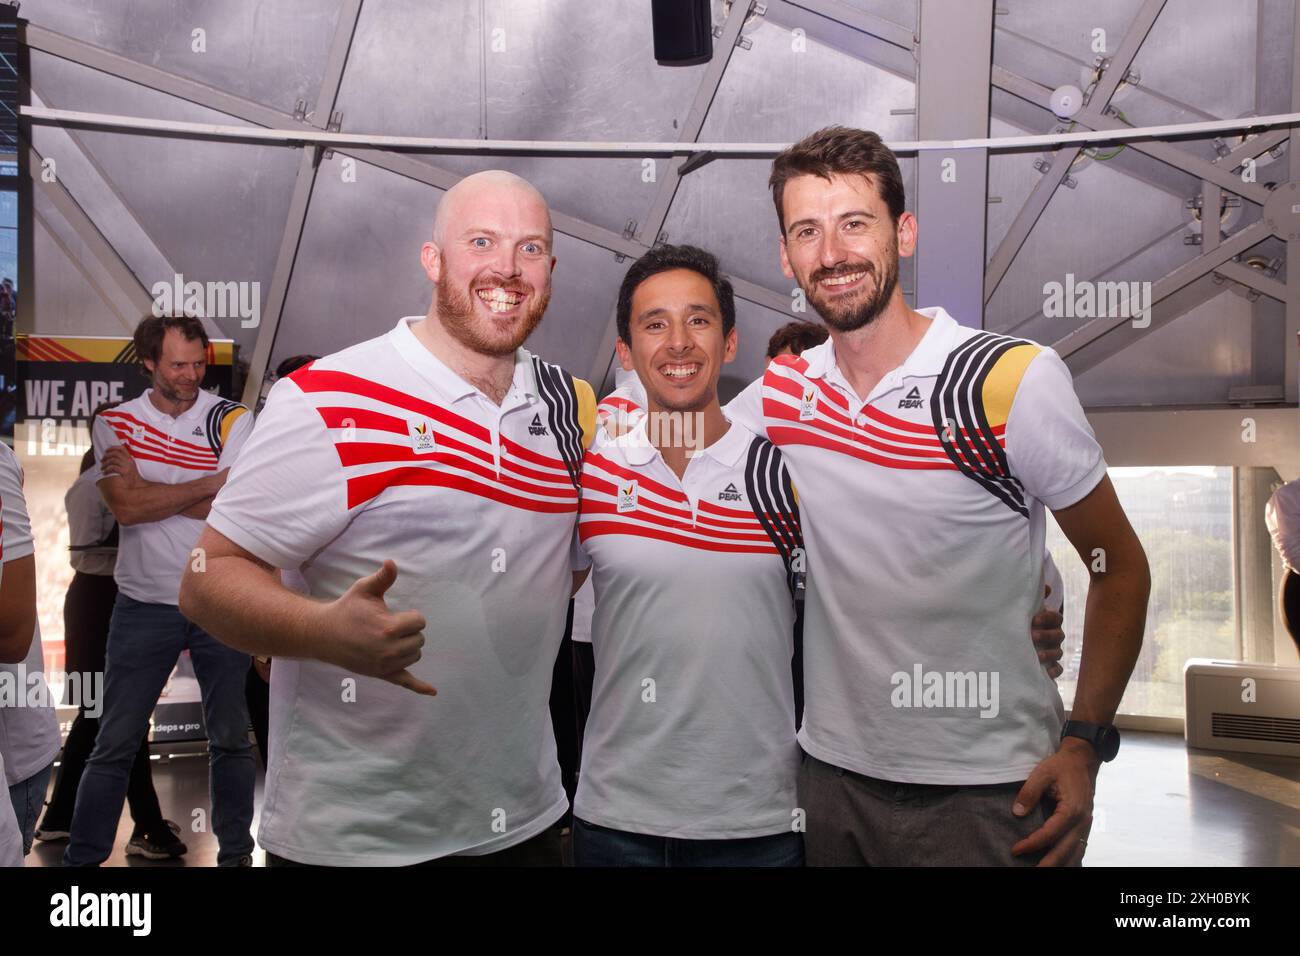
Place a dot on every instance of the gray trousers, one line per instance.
(856, 820)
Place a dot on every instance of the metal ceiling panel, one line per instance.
(215, 209)
(1084, 231)
(413, 74)
(564, 70)
(72, 295)
(358, 270)
(269, 51)
(1201, 52)
(1191, 361)
(773, 93)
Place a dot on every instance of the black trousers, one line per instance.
(86, 612)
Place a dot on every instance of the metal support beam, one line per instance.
(1253, 279)
(296, 219)
(1046, 187)
(952, 187)
(1185, 274)
(1168, 310)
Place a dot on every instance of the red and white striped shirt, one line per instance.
(691, 732)
(381, 451)
(206, 438)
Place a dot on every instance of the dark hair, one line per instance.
(796, 336)
(665, 258)
(292, 364)
(838, 149)
(151, 330)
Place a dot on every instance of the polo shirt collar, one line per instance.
(435, 370)
(926, 360)
(639, 451)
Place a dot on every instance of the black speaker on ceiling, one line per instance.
(683, 31)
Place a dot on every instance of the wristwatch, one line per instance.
(1103, 737)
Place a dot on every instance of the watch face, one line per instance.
(1109, 744)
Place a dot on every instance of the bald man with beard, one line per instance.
(426, 485)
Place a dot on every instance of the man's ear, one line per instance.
(907, 229)
(785, 261)
(729, 346)
(624, 355)
(431, 260)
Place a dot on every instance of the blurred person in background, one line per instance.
(87, 609)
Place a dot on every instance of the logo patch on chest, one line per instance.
(912, 399)
(626, 496)
(421, 431)
(808, 404)
(536, 427)
(729, 493)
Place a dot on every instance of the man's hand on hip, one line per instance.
(1070, 776)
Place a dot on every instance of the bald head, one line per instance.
(492, 187)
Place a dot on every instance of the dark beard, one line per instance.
(855, 318)
(456, 312)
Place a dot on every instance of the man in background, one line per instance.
(161, 458)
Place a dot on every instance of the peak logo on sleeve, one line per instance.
(626, 496)
(808, 404)
(421, 431)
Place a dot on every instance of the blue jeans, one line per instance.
(144, 641)
(28, 797)
(601, 846)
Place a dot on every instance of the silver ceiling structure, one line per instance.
(336, 257)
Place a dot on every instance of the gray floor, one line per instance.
(1158, 804)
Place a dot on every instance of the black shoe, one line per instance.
(48, 833)
(160, 843)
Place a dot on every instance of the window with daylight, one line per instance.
(1183, 515)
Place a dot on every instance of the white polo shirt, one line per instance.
(381, 451)
(691, 732)
(29, 729)
(1282, 517)
(908, 494)
(206, 438)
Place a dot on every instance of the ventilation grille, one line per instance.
(1283, 730)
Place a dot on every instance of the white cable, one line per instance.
(310, 134)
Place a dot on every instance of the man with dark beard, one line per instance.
(926, 454)
(423, 482)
